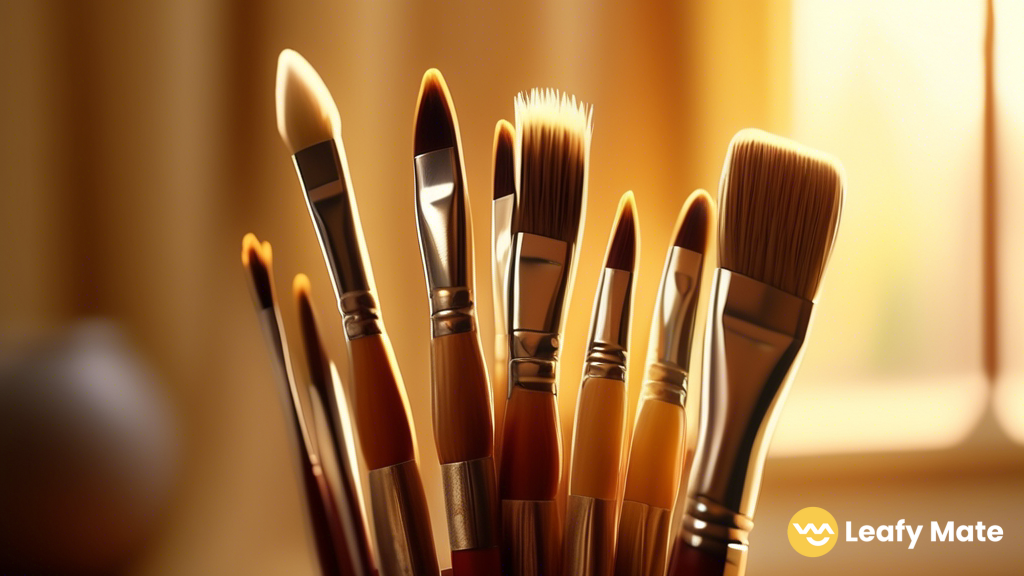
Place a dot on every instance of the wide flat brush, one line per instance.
(321, 511)
(504, 189)
(311, 128)
(657, 450)
(460, 388)
(780, 208)
(553, 148)
(329, 403)
(601, 409)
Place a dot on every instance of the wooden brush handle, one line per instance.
(485, 562)
(597, 441)
(461, 398)
(379, 404)
(656, 454)
(531, 461)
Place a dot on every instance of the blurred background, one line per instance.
(140, 144)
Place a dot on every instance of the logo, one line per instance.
(813, 532)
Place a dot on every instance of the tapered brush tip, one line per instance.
(504, 159)
(316, 361)
(780, 204)
(257, 260)
(436, 126)
(306, 113)
(693, 230)
(553, 152)
(623, 244)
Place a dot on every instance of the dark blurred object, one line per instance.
(87, 453)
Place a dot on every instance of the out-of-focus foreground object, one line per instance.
(88, 453)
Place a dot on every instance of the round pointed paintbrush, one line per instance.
(460, 389)
(502, 204)
(601, 407)
(657, 450)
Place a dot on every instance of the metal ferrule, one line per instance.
(539, 277)
(471, 501)
(442, 222)
(609, 328)
(401, 522)
(671, 338)
(501, 242)
(530, 537)
(643, 539)
(589, 537)
(754, 339)
(332, 206)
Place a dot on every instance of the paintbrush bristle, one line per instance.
(622, 248)
(436, 126)
(257, 260)
(504, 159)
(316, 357)
(553, 152)
(695, 221)
(306, 113)
(780, 204)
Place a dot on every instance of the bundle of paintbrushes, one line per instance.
(501, 455)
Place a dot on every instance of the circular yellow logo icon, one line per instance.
(813, 532)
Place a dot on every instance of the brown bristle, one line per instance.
(693, 229)
(622, 247)
(436, 126)
(312, 345)
(553, 142)
(257, 263)
(780, 204)
(504, 159)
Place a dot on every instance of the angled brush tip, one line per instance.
(435, 125)
(306, 113)
(623, 245)
(257, 260)
(504, 159)
(693, 230)
(780, 203)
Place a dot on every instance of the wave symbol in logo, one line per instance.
(812, 532)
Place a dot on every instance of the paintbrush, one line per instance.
(461, 391)
(329, 405)
(780, 208)
(553, 147)
(601, 408)
(311, 128)
(504, 189)
(321, 511)
(657, 450)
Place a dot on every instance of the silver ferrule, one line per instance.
(754, 339)
(609, 326)
(471, 502)
(539, 275)
(324, 176)
(405, 541)
(501, 246)
(442, 220)
(643, 539)
(589, 536)
(530, 537)
(359, 314)
(675, 315)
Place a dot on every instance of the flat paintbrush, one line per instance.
(780, 207)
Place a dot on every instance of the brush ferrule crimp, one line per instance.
(538, 282)
(332, 207)
(754, 339)
(665, 383)
(675, 313)
(471, 503)
(451, 311)
(609, 327)
(533, 361)
(359, 314)
(714, 528)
